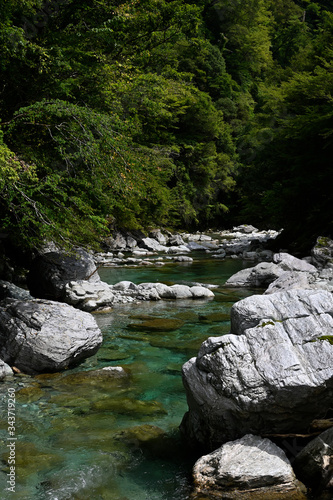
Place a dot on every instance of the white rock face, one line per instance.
(290, 263)
(291, 280)
(291, 304)
(272, 374)
(153, 245)
(88, 296)
(250, 464)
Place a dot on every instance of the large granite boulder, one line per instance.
(265, 273)
(50, 272)
(272, 374)
(45, 336)
(314, 464)
(250, 467)
(260, 275)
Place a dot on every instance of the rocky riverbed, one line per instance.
(270, 377)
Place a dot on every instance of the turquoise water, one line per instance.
(81, 437)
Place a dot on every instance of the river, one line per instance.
(82, 437)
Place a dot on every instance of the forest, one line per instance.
(165, 113)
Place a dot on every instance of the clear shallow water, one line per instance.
(81, 438)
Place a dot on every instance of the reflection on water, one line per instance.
(84, 435)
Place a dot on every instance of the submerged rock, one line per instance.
(27, 463)
(125, 406)
(157, 325)
(30, 394)
(213, 317)
(41, 335)
(101, 378)
(147, 437)
(272, 374)
(250, 467)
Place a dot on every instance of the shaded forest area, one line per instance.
(179, 114)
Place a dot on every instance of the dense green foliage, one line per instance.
(157, 112)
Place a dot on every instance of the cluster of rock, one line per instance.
(285, 272)
(241, 242)
(89, 297)
(48, 328)
(74, 279)
(39, 333)
(271, 376)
